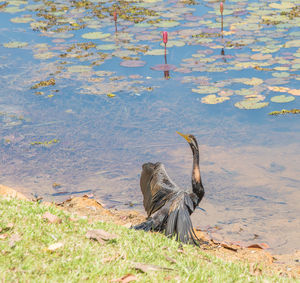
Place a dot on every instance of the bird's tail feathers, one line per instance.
(146, 226)
(179, 220)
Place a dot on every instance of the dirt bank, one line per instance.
(259, 259)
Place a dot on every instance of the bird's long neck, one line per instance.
(196, 176)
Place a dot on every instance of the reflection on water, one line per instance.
(76, 137)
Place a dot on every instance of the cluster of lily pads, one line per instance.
(256, 57)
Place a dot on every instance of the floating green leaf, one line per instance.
(251, 104)
(166, 24)
(294, 92)
(253, 81)
(15, 44)
(213, 99)
(260, 56)
(79, 69)
(156, 52)
(45, 55)
(292, 43)
(281, 74)
(104, 73)
(95, 35)
(206, 89)
(106, 47)
(282, 98)
(38, 25)
(22, 20)
(172, 43)
(133, 63)
(123, 53)
(62, 35)
(13, 9)
(282, 5)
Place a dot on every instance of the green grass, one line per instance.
(81, 259)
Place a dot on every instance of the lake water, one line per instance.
(85, 101)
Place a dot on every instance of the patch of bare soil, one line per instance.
(259, 260)
(86, 206)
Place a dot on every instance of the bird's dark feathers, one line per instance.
(179, 222)
(168, 208)
(156, 186)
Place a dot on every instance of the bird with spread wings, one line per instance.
(169, 207)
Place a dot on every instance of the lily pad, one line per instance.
(282, 98)
(95, 35)
(79, 69)
(38, 25)
(254, 81)
(133, 63)
(281, 74)
(34, 7)
(294, 92)
(278, 88)
(213, 99)
(62, 35)
(45, 55)
(281, 68)
(206, 89)
(282, 5)
(156, 52)
(104, 73)
(13, 9)
(260, 56)
(251, 104)
(167, 24)
(22, 20)
(292, 43)
(15, 44)
(163, 67)
(106, 47)
(123, 53)
(172, 43)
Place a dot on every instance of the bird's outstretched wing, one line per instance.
(179, 222)
(156, 186)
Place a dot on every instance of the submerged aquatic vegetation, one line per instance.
(44, 83)
(284, 111)
(45, 143)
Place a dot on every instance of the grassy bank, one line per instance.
(26, 256)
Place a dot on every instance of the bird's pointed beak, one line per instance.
(184, 136)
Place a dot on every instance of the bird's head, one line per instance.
(190, 139)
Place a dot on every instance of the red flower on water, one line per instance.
(165, 37)
(221, 7)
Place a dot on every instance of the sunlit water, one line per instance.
(71, 138)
